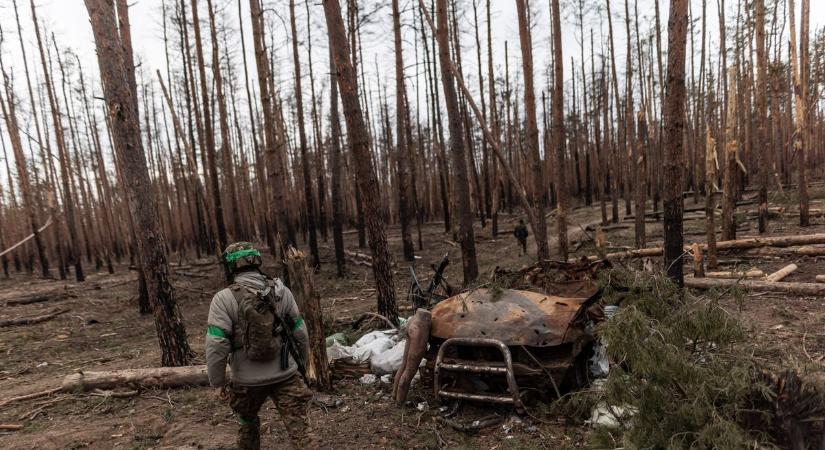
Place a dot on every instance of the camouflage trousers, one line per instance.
(290, 397)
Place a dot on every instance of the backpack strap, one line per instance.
(238, 293)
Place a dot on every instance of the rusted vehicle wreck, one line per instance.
(507, 346)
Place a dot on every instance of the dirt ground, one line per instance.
(102, 330)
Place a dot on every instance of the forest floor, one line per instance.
(103, 331)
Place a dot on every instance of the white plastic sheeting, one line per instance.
(383, 349)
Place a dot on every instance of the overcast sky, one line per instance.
(69, 22)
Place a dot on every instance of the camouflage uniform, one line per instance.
(290, 398)
(255, 381)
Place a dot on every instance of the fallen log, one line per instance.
(29, 299)
(811, 251)
(738, 244)
(781, 273)
(611, 227)
(820, 278)
(358, 255)
(755, 273)
(10, 426)
(156, 377)
(31, 320)
(813, 289)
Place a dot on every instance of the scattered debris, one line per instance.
(473, 426)
(31, 320)
(604, 415)
(40, 394)
(368, 378)
(781, 273)
(326, 400)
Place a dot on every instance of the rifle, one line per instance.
(284, 327)
(290, 345)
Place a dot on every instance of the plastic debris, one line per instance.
(339, 338)
(604, 415)
(599, 364)
(368, 378)
(388, 361)
(386, 379)
(374, 335)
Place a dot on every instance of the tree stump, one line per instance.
(299, 277)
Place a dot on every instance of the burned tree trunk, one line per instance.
(220, 226)
(274, 145)
(532, 138)
(121, 103)
(402, 148)
(226, 152)
(800, 89)
(558, 127)
(336, 175)
(360, 148)
(299, 274)
(10, 116)
(674, 117)
(762, 115)
(309, 195)
(730, 152)
(65, 173)
(461, 184)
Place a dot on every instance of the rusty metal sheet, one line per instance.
(514, 317)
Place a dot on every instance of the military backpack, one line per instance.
(258, 325)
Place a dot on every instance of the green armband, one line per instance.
(215, 332)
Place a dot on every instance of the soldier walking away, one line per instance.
(521, 234)
(249, 324)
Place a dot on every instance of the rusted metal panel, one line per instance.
(514, 317)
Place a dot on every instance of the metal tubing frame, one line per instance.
(512, 386)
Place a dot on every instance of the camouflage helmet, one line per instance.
(241, 255)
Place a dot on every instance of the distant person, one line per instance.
(521, 234)
(246, 325)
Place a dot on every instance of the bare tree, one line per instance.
(63, 153)
(8, 107)
(309, 195)
(532, 137)
(461, 184)
(402, 147)
(121, 103)
(209, 136)
(360, 148)
(275, 144)
(674, 117)
(762, 114)
(558, 128)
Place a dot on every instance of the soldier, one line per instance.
(521, 234)
(245, 325)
